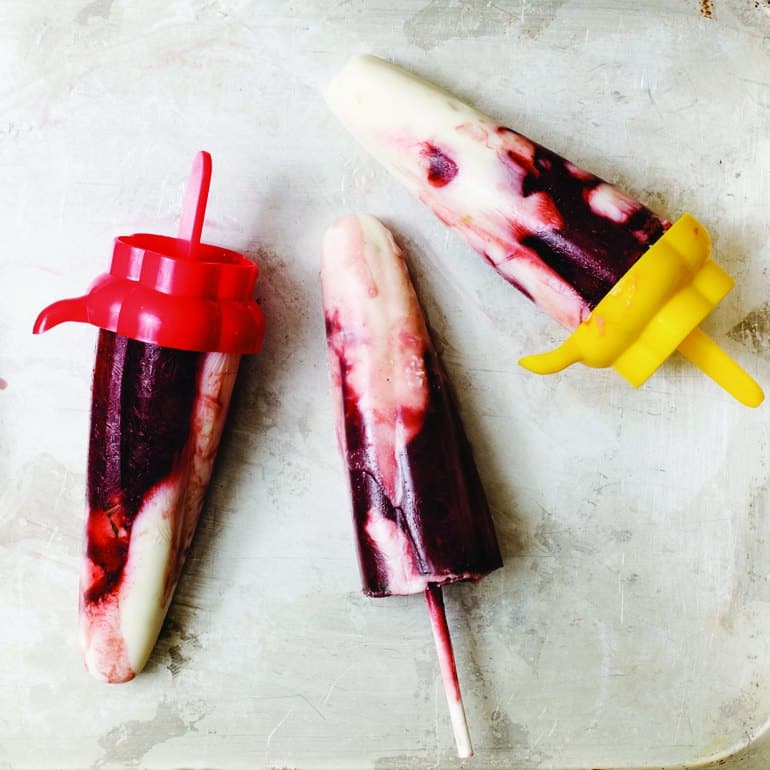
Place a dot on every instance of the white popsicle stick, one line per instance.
(446, 659)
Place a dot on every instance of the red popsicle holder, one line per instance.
(175, 292)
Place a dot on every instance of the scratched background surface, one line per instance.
(629, 626)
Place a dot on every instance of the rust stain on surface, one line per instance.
(707, 8)
(754, 330)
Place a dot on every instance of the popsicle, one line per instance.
(420, 514)
(568, 240)
(175, 316)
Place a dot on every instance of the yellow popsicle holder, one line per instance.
(653, 310)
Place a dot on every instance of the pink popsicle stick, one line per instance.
(194, 212)
(446, 659)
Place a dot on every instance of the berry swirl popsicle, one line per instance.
(175, 315)
(421, 517)
(589, 255)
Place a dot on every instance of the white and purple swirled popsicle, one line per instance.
(420, 513)
(156, 421)
(576, 245)
(174, 316)
(561, 235)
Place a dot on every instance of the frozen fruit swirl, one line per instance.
(420, 512)
(561, 235)
(156, 421)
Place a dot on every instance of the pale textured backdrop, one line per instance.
(630, 624)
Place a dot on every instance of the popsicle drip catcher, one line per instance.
(174, 292)
(652, 311)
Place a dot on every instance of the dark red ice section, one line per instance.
(441, 168)
(143, 398)
(591, 252)
(444, 512)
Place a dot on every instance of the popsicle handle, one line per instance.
(194, 212)
(446, 659)
(712, 360)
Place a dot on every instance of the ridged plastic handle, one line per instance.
(194, 212)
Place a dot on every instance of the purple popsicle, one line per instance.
(561, 235)
(175, 315)
(420, 513)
